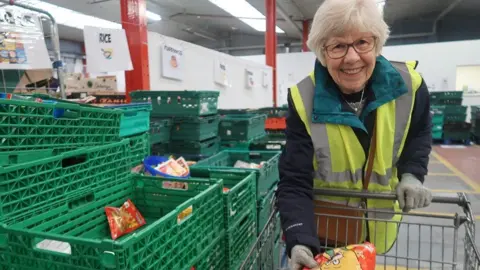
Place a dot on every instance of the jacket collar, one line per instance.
(386, 83)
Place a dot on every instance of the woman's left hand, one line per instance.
(412, 194)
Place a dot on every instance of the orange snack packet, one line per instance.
(123, 220)
(361, 257)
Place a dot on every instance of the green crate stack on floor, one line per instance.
(192, 122)
(266, 179)
(449, 116)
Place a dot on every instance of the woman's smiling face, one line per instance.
(352, 71)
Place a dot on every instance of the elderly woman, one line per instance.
(357, 122)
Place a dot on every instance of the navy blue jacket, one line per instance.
(295, 190)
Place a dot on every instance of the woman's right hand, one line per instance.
(302, 257)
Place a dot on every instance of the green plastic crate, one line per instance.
(272, 142)
(35, 187)
(195, 128)
(238, 127)
(267, 175)
(239, 145)
(437, 127)
(455, 110)
(438, 119)
(437, 109)
(240, 239)
(455, 118)
(235, 111)
(160, 130)
(202, 148)
(241, 196)
(167, 241)
(179, 103)
(446, 98)
(135, 118)
(437, 135)
(213, 257)
(456, 135)
(29, 125)
(159, 149)
(273, 112)
(265, 208)
(139, 148)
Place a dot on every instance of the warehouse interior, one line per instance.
(205, 84)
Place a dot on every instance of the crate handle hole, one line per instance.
(72, 161)
(52, 246)
(159, 100)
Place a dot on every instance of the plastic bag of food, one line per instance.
(123, 220)
(353, 257)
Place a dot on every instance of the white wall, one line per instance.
(437, 62)
(198, 65)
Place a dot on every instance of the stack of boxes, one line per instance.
(449, 117)
(189, 120)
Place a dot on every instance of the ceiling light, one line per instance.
(153, 16)
(242, 10)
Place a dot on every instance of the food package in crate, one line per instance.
(353, 257)
(166, 166)
(123, 220)
(247, 165)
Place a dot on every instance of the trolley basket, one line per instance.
(424, 240)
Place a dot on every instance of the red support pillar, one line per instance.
(134, 21)
(305, 35)
(84, 62)
(271, 43)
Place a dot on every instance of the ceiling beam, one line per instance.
(284, 14)
(193, 30)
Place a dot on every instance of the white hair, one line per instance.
(337, 17)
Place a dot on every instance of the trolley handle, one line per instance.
(461, 199)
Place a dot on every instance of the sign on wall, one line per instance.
(106, 50)
(249, 79)
(172, 62)
(22, 45)
(265, 79)
(220, 72)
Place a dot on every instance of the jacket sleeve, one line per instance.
(295, 190)
(418, 144)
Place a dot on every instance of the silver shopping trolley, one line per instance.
(425, 240)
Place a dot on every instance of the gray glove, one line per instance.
(302, 257)
(412, 194)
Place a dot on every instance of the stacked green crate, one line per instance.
(449, 116)
(238, 130)
(193, 117)
(240, 218)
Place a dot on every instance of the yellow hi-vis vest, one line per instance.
(339, 158)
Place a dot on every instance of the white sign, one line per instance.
(249, 79)
(22, 45)
(220, 72)
(106, 50)
(172, 62)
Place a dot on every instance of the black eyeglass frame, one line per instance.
(325, 48)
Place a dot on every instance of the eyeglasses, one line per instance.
(361, 46)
